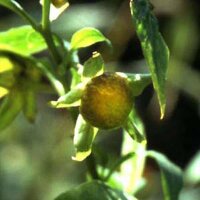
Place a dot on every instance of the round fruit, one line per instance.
(58, 3)
(106, 101)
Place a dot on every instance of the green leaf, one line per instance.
(134, 127)
(94, 66)
(84, 135)
(138, 82)
(153, 45)
(171, 176)
(10, 107)
(23, 41)
(76, 77)
(30, 105)
(3, 92)
(6, 64)
(94, 190)
(71, 99)
(87, 37)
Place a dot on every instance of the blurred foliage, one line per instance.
(35, 160)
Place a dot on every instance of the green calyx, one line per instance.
(106, 101)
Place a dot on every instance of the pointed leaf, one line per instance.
(23, 41)
(57, 8)
(94, 190)
(138, 82)
(94, 66)
(56, 11)
(171, 175)
(72, 98)
(10, 108)
(84, 135)
(134, 127)
(87, 37)
(153, 45)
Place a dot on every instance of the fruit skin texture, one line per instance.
(106, 101)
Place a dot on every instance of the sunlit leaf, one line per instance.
(94, 66)
(5, 64)
(9, 108)
(3, 92)
(94, 190)
(23, 41)
(84, 135)
(153, 45)
(86, 37)
(171, 175)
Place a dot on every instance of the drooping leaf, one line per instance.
(84, 135)
(71, 99)
(171, 175)
(86, 37)
(30, 105)
(134, 127)
(94, 66)
(9, 108)
(23, 41)
(94, 190)
(153, 45)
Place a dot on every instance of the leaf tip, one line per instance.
(80, 156)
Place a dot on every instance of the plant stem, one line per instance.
(131, 170)
(47, 31)
(91, 165)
